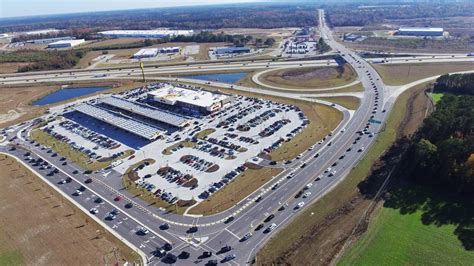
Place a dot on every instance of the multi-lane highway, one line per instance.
(317, 171)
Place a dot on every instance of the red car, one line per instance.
(118, 198)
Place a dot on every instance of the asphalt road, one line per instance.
(340, 152)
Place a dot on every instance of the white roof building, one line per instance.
(146, 52)
(66, 43)
(199, 99)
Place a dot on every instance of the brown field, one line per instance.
(349, 102)
(15, 101)
(40, 227)
(242, 185)
(6, 68)
(406, 73)
(87, 59)
(335, 215)
(309, 77)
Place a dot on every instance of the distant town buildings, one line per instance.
(144, 33)
(412, 31)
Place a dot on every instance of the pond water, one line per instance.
(224, 77)
(66, 94)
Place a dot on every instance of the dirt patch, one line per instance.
(309, 73)
(42, 227)
(6, 68)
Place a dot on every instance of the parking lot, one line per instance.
(196, 160)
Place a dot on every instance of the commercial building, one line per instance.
(66, 43)
(38, 32)
(170, 50)
(144, 33)
(50, 40)
(231, 50)
(196, 101)
(146, 53)
(409, 31)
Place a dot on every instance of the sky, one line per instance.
(17, 8)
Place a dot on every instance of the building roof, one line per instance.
(72, 42)
(128, 124)
(146, 52)
(224, 50)
(146, 111)
(199, 98)
(421, 29)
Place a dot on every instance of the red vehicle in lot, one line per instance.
(118, 198)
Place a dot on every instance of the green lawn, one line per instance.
(396, 239)
(437, 97)
(11, 258)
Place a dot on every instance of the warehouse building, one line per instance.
(144, 33)
(170, 50)
(195, 101)
(146, 53)
(409, 31)
(50, 40)
(231, 50)
(65, 43)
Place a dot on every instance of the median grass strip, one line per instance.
(76, 156)
(350, 102)
(400, 74)
(291, 243)
(313, 78)
(242, 186)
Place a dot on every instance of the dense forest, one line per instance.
(441, 155)
(455, 83)
(353, 15)
(199, 17)
(43, 60)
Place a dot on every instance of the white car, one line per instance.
(62, 181)
(309, 185)
(332, 173)
(143, 230)
(94, 211)
(300, 205)
(361, 149)
(319, 177)
(271, 227)
(307, 194)
(328, 170)
(78, 192)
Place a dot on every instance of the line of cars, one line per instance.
(226, 179)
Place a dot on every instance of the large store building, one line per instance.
(197, 101)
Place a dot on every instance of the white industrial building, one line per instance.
(198, 101)
(144, 33)
(170, 50)
(413, 31)
(146, 53)
(66, 43)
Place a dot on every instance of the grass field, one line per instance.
(313, 78)
(406, 73)
(40, 227)
(65, 150)
(349, 102)
(291, 244)
(398, 239)
(437, 97)
(242, 186)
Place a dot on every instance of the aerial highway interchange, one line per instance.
(246, 226)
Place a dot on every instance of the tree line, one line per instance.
(441, 153)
